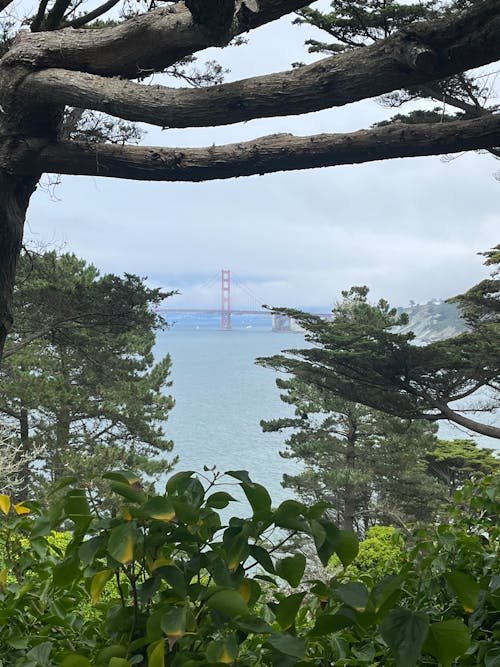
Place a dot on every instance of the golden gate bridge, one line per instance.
(280, 321)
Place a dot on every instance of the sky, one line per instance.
(409, 229)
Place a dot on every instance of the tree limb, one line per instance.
(466, 422)
(140, 45)
(341, 79)
(278, 152)
(80, 21)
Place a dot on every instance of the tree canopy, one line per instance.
(360, 355)
(368, 466)
(80, 384)
(69, 61)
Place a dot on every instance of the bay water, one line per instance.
(220, 397)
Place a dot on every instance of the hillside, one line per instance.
(433, 321)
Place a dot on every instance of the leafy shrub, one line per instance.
(170, 584)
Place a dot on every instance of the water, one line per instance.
(221, 396)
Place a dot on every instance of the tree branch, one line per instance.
(139, 46)
(80, 21)
(471, 424)
(278, 152)
(345, 78)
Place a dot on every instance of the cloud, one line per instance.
(407, 228)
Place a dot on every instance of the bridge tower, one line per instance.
(225, 317)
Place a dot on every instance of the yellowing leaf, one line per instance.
(5, 504)
(159, 508)
(3, 579)
(21, 509)
(97, 584)
(126, 514)
(159, 562)
(245, 590)
(121, 543)
(156, 654)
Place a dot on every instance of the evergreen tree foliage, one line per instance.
(360, 355)
(353, 24)
(80, 379)
(455, 462)
(368, 465)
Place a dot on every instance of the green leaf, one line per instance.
(66, 572)
(288, 645)
(492, 658)
(121, 542)
(286, 610)
(405, 632)
(465, 588)
(447, 640)
(229, 602)
(263, 558)
(289, 515)
(354, 595)
(258, 497)
(77, 508)
(173, 624)
(174, 577)
(175, 483)
(223, 651)
(115, 651)
(118, 662)
(329, 623)
(124, 476)
(241, 475)
(75, 660)
(156, 654)
(326, 538)
(88, 549)
(220, 500)
(346, 546)
(97, 584)
(159, 508)
(131, 492)
(383, 591)
(291, 569)
(253, 623)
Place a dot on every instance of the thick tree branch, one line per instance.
(341, 79)
(279, 152)
(471, 424)
(139, 46)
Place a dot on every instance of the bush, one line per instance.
(170, 583)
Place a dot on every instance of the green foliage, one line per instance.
(454, 462)
(79, 380)
(361, 356)
(169, 589)
(368, 466)
(380, 554)
(353, 24)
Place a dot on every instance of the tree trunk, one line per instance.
(350, 489)
(14, 199)
(26, 447)
(62, 443)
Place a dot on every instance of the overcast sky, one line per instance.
(410, 229)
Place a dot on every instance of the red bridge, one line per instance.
(280, 322)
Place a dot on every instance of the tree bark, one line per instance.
(16, 193)
(139, 46)
(279, 152)
(345, 78)
(350, 487)
(471, 424)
